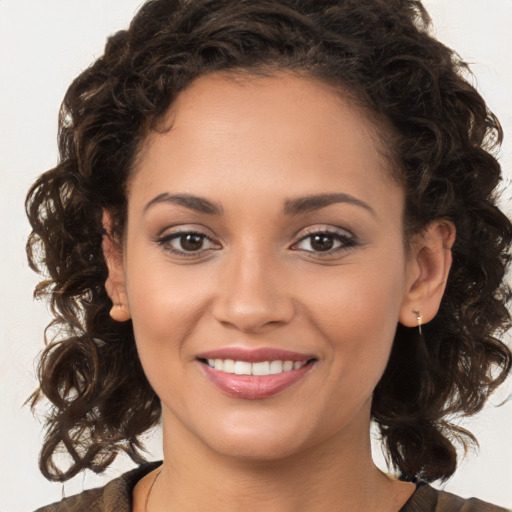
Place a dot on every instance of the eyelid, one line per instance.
(172, 233)
(345, 237)
(181, 227)
(323, 228)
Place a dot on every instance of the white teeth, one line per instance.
(228, 366)
(288, 366)
(276, 367)
(259, 368)
(242, 368)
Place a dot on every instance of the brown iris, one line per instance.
(191, 241)
(322, 242)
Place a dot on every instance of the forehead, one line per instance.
(255, 129)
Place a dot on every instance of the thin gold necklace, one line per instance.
(149, 492)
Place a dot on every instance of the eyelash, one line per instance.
(345, 240)
(165, 241)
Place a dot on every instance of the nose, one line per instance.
(252, 294)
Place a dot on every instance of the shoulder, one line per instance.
(114, 496)
(428, 499)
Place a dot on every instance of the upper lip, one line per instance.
(254, 355)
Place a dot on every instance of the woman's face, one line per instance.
(264, 237)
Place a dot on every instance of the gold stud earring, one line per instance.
(419, 318)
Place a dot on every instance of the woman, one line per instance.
(272, 222)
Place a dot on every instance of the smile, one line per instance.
(254, 374)
(260, 368)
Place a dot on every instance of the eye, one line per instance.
(187, 243)
(325, 242)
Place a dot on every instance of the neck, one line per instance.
(333, 475)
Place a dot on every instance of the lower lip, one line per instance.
(254, 387)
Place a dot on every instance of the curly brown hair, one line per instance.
(381, 52)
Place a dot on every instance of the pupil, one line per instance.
(322, 242)
(191, 242)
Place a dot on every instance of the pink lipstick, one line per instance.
(254, 374)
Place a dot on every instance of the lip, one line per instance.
(255, 355)
(254, 387)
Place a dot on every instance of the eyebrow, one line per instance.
(291, 206)
(318, 201)
(199, 204)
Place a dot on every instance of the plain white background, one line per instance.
(43, 46)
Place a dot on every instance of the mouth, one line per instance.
(261, 368)
(255, 374)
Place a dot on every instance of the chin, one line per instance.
(264, 437)
(256, 450)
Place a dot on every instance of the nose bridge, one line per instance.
(252, 292)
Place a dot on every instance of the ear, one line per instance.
(115, 283)
(428, 266)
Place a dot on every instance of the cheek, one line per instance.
(167, 302)
(359, 324)
(360, 297)
(357, 310)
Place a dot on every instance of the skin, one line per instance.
(248, 145)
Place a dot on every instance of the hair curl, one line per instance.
(378, 50)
